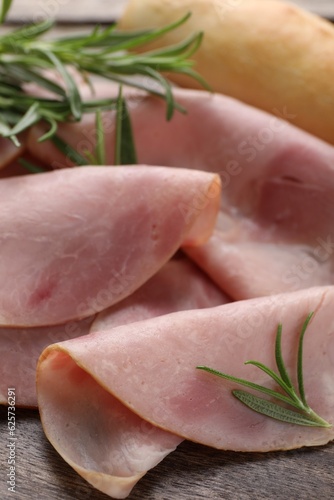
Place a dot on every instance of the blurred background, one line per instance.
(85, 11)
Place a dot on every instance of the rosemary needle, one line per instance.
(125, 150)
(25, 58)
(296, 398)
(5, 6)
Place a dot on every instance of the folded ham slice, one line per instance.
(137, 446)
(150, 368)
(179, 285)
(78, 240)
(268, 239)
(20, 349)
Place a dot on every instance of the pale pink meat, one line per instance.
(20, 349)
(275, 231)
(9, 151)
(150, 367)
(178, 286)
(96, 233)
(136, 445)
(131, 446)
(107, 444)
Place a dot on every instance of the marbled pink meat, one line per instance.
(9, 151)
(150, 367)
(78, 240)
(275, 230)
(132, 445)
(178, 286)
(20, 349)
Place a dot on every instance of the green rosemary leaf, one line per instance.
(279, 359)
(275, 411)
(24, 57)
(251, 385)
(125, 152)
(129, 155)
(118, 130)
(100, 149)
(274, 376)
(190, 44)
(5, 130)
(24, 74)
(90, 157)
(26, 33)
(51, 132)
(300, 360)
(168, 90)
(146, 87)
(70, 152)
(33, 169)
(29, 118)
(196, 76)
(5, 6)
(305, 416)
(72, 90)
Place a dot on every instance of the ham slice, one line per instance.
(19, 352)
(9, 152)
(267, 240)
(178, 286)
(78, 240)
(135, 446)
(150, 368)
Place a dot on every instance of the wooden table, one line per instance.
(193, 471)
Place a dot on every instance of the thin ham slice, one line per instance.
(78, 240)
(179, 286)
(20, 349)
(9, 151)
(134, 446)
(150, 368)
(274, 233)
(109, 445)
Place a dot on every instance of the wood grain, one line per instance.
(191, 472)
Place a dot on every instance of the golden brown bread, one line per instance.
(267, 53)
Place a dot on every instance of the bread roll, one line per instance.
(267, 53)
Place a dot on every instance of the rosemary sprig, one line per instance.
(25, 57)
(296, 398)
(125, 150)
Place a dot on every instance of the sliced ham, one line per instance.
(137, 446)
(9, 151)
(109, 445)
(275, 232)
(178, 286)
(20, 349)
(78, 240)
(217, 133)
(150, 368)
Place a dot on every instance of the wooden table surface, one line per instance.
(193, 471)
